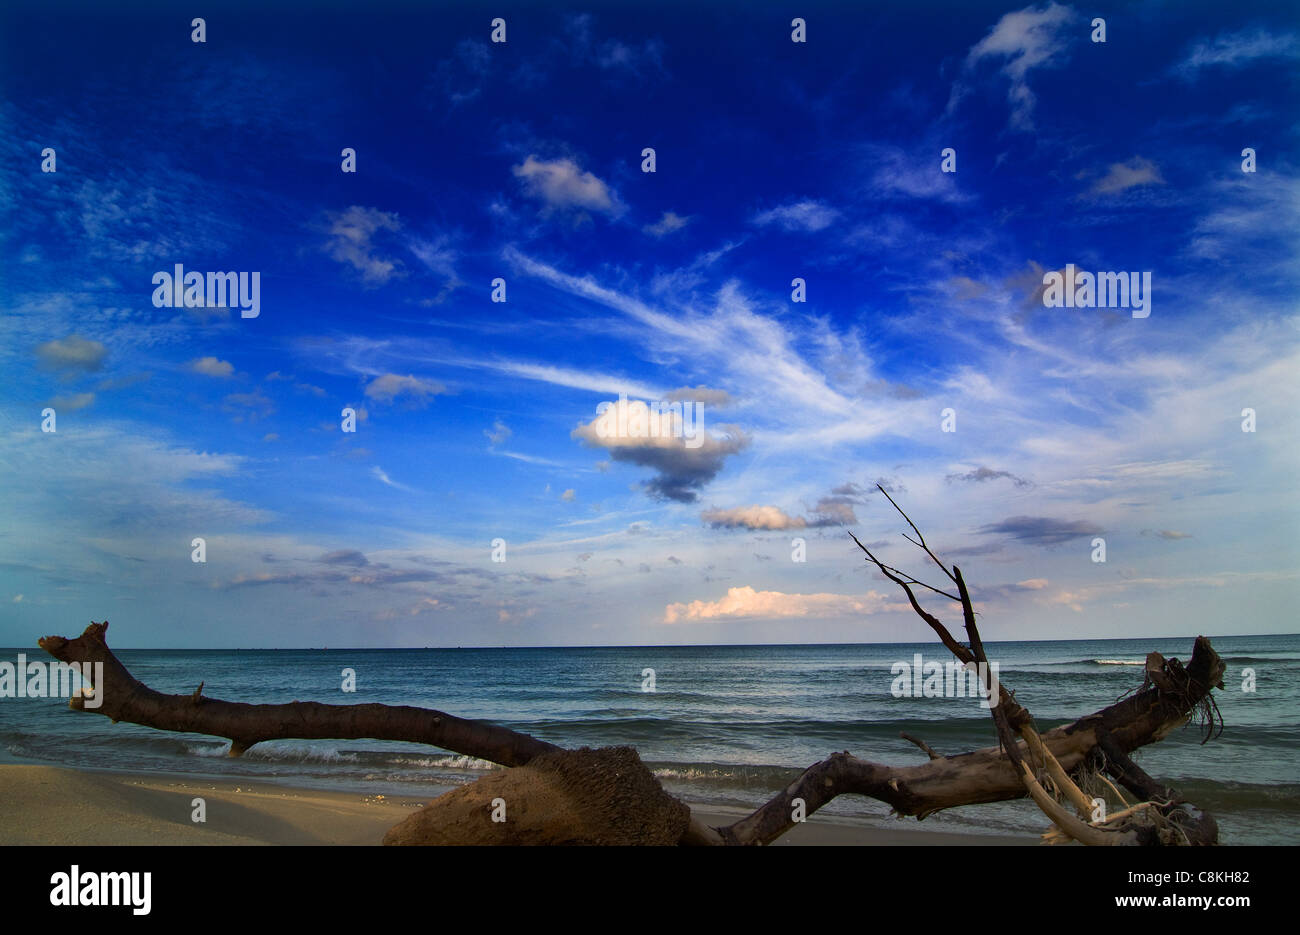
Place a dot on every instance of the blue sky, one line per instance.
(522, 160)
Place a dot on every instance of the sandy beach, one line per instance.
(47, 805)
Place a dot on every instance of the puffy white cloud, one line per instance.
(72, 353)
(561, 184)
(389, 386)
(753, 517)
(211, 367)
(833, 510)
(683, 455)
(744, 603)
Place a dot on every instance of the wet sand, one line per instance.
(55, 805)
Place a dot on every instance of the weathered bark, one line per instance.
(125, 698)
(1197, 826)
(985, 775)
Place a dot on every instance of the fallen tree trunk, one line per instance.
(940, 783)
(125, 698)
(985, 775)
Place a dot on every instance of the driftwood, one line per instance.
(125, 698)
(1024, 763)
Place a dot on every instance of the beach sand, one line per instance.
(56, 805)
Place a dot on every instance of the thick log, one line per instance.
(125, 698)
(1196, 826)
(986, 775)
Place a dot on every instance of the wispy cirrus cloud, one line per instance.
(1121, 176)
(670, 222)
(898, 174)
(73, 402)
(629, 58)
(382, 476)
(1237, 50)
(806, 216)
(1022, 41)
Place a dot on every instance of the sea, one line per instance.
(725, 727)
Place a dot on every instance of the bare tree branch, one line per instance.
(929, 751)
(921, 544)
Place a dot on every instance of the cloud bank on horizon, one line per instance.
(798, 273)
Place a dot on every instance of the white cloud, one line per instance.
(439, 258)
(911, 175)
(806, 216)
(612, 54)
(756, 351)
(684, 457)
(575, 379)
(1025, 39)
(562, 185)
(1237, 50)
(72, 353)
(834, 510)
(350, 241)
(382, 476)
(388, 387)
(1124, 175)
(74, 402)
(211, 367)
(744, 603)
(753, 517)
(666, 225)
(498, 433)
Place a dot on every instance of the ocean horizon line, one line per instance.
(296, 649)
